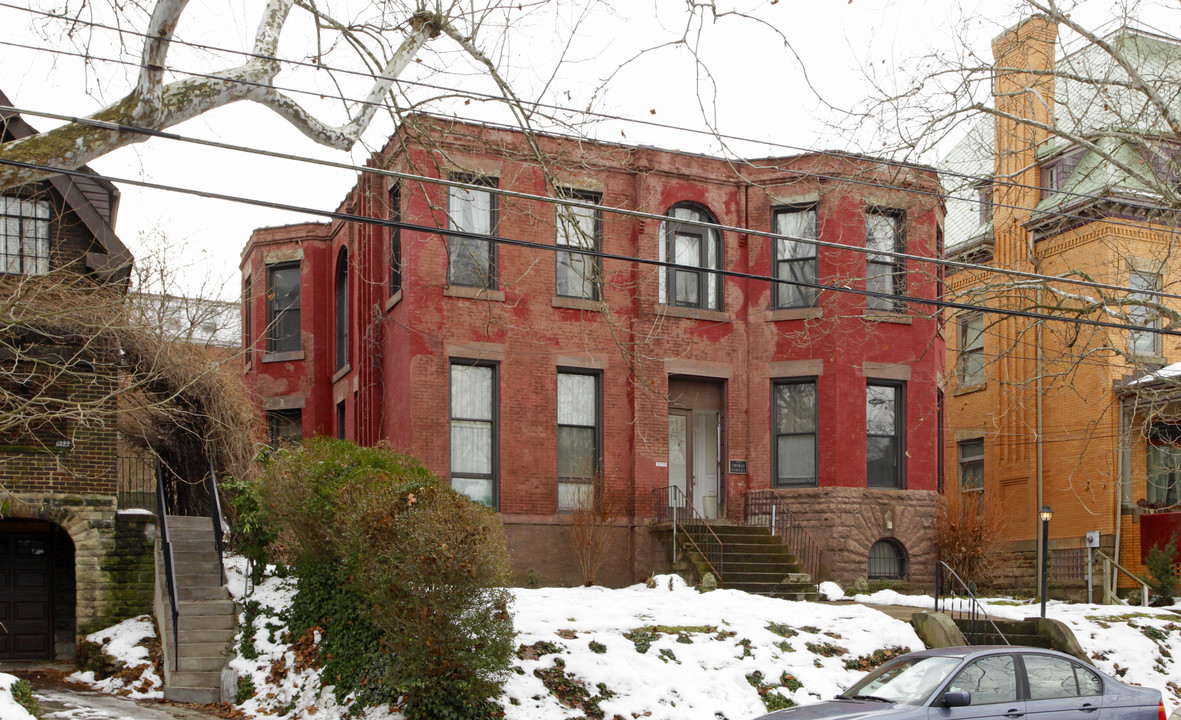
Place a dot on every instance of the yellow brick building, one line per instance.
(1075, 412)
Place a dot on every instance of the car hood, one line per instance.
(846, 710)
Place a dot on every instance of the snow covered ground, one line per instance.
(9, 709)
(663, 650)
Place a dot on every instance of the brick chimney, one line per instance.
(1023, 89)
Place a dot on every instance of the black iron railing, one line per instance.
(216, 517)
(136, 483)
(764, 508)
(955, 598)
(669, 504)
(169, 565)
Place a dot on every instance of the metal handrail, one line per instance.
(767, 507)
(668, 504)
(216, 517)
(1108, 581)
(975, 606)
(169, 564)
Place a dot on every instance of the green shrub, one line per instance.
(1161, 576)
(405, 577)
(245, 690)
(251, 532)
(22, 692)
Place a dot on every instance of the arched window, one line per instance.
(342, 309)
(887, 561)
(695, 252)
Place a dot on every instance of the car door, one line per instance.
(1061, 689)
(991, 683)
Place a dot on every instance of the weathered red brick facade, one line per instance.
(661, 344)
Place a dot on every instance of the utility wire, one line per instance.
(500, 240)
(582, 204)
(533, 103)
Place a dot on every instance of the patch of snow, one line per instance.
(125, 643)
(135, 511)
(831, 591)
(9, 709)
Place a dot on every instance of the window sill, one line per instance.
(573, 303)
(289, 356)
(473, 293)
(969, 389)
(341, 372)
(802, 313)
(393, 300)
(693, 313)
(1148, 359)
(246, 368)
(888, 317)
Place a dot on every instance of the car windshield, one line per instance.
(908, 682)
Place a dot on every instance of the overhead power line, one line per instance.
(500, 240)
(533, 103)
(574, 202)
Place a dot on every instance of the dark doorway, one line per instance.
(695, 442)
(36, 591)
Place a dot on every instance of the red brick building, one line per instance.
(528, 373)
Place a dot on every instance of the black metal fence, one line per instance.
(136, 483)
(670, 505)
(764, 508)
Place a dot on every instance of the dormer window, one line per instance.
(24, 236)
(1056, 172)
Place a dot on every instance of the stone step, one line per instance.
(205, 607)
(204, 647)
(810, 596)
(190, 521)
(200, 664)
(197, 695)
(991, 638)
(741, 565)
(201, 593)
(769, 588)
(187, 578)
(768, 575)
(196, 558)
(191, 623)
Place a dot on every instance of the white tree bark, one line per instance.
(154, 106)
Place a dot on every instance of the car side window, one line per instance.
(1088, 681)
(1050, 677)
(991, 679)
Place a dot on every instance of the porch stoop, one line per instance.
(206, 615)
(753, 560)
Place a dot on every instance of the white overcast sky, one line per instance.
(756, 89)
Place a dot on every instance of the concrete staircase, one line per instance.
(1017, 632)
(753, 560)
(205, 614)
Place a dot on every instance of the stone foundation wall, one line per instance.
(130, 568)
(544, 546)
(847, 521)
(1017, 564)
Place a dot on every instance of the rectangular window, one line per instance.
(795, 260)
(1144, 344)
(795, 418)
(579, 430)
(1164, 466)
(971, 454)
(24, 236)
(247, 323)
(884, 274)
(884, 415)
(283, 308)
(395, 200)
(984, 197)
(1049, 180)
(471, 261)
(474, 440)
(341, 432)
(970, 364)
(581, 229)
(284, 426)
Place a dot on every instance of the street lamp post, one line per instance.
(1045, 514)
